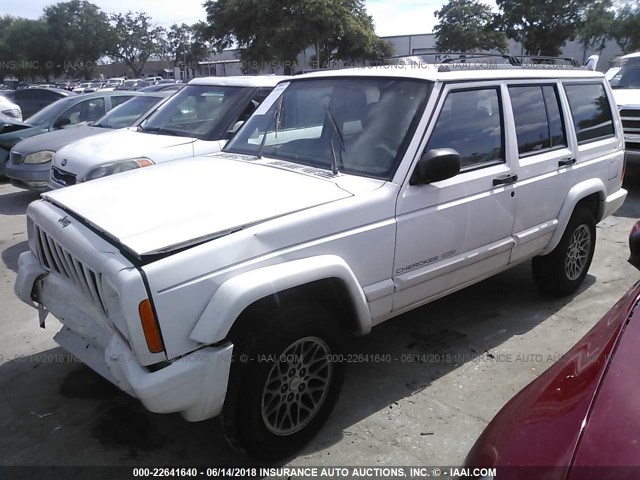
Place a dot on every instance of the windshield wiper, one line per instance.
(162, 131)
(334, 159)
(276, 127)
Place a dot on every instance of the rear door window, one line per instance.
(537, 117)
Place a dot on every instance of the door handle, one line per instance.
(507, 179)
(566, 162)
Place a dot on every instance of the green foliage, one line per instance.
(135, 39)
(625, 29)
(542, 26)
(467, 25)
(269, 31)
(78, 34)
(185, 44)
(22, 50)
(596, 29)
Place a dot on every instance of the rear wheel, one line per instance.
(284, 381)
(565, 268)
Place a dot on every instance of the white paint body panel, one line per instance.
(258, 226)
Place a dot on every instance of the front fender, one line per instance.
(237, 293)
(577, 193)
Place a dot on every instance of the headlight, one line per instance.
(107, 169)
(39, 157)
(12, 112)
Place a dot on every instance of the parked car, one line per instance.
(82, 87)
(32, 100)
(154, 80)
(225, 284)
(163, 87)
(65, 112)
(197, 120)
(10, 109)
(626, 91)
(579, 419)
(112, 83)
(132, 85)
(29, 162)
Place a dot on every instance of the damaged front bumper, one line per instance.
(194, 385)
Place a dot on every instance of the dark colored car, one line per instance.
(32, 100)
(68, 111)
(580, 419)
(29, 163)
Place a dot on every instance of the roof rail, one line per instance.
(545, 60)
(479, 58)
(452, 57)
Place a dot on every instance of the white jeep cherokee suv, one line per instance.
(223, 285)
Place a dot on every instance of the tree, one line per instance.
(596, 29)
(542, 26)
(78, 35)
(135, 39)
(467, 25)
(185, 45)
(27, 54)
(268, 31)
(625, 29)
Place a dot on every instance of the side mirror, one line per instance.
(435, 165)
(230, 133)
(236, 127)
(634, 246)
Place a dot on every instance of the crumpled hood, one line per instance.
(57, 139)
(627, 97)
(10, 124)
(122, 144)
(161, 208)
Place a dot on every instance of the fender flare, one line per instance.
(239, 292)
(577, 193)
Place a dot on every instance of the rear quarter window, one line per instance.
(591, 111)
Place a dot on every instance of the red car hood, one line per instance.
(611, 436)
(563, 414)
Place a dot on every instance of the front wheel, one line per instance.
(562, 271)
(284, 382)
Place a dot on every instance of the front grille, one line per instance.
(630, 120)
(62, 177)
(16, 157)
(57, 259)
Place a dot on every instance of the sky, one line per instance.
(390, 17)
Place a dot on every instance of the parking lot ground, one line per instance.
(441, 372)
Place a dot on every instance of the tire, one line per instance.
(261, 415)
(562, 271)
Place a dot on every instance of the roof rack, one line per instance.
(447, 61)
(544, 60)
(451, 57)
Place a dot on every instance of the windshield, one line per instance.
(352, 125)
(199, 111)
(126, 114)
(628, 76)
